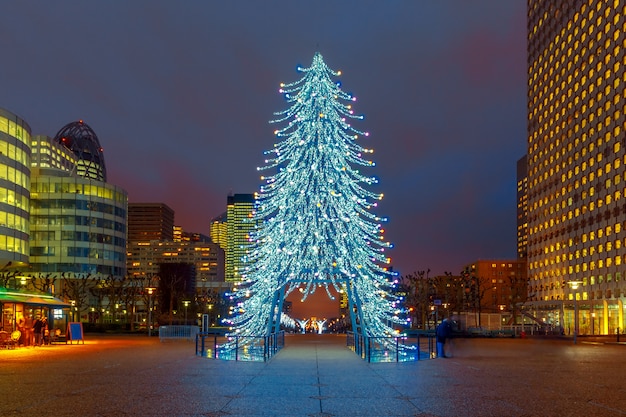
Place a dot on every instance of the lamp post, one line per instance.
(150, 292)
(186, 303)
(574, 286)
(593, 319)
(210, 309)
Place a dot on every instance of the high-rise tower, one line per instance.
(15, 156)
(239, 224)
(77, 219)
(150, 221)
(522, 208)
(576, 161)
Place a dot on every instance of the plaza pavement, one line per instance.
(314, 375)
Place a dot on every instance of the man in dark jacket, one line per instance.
(37, 328)
(443, 332)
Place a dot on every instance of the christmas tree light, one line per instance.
(315, 224)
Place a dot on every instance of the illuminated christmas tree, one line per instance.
(315, 225)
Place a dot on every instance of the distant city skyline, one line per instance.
(180, 98)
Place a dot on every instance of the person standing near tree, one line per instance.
(443, 332)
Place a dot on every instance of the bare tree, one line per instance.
(77, 289)
(44, 283)
(416, 289)
(175, 282)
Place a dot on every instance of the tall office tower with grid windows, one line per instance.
(15, 160)
(239, 209)
(576, 163)
(150, 221)
(522, 208)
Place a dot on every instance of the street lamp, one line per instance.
(574, 286)
(150, 292)
(186, 303)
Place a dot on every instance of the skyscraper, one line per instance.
(150, 221)
(219, 230)
(15, 157)
(77, 225)
(522, 207)
(576, 162)
(239, 224)
(77, 219)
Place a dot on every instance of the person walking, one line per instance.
(443, 332)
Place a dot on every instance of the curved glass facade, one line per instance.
(15, 157)
(78, 225)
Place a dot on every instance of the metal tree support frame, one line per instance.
(393, 349)
(239, 348)
(264, 347)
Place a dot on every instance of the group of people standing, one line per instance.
(33, 333)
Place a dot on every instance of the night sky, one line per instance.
(180, 95)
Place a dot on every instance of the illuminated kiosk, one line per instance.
(314, 228)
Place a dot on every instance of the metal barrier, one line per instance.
(178, 332)
(393, 349)
(239, 348)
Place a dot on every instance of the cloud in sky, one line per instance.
(180, 96)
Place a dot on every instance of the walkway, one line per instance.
(312, 376)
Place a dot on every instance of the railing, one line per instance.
(178, 333)
(239, 348)
(393, 349)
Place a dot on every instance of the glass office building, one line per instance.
(78, 225)
(239, 224)
(15, 159)
(576, 163)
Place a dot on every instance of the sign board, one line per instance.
(74, 332)
(437, 302)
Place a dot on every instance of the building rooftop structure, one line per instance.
(82, 141)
